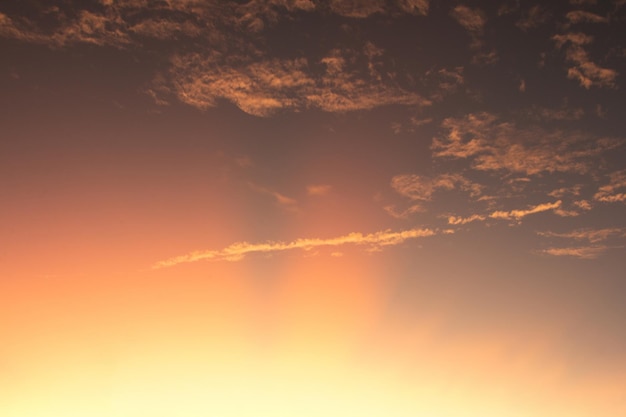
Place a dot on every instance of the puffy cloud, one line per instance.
(237, 251)
(492, 145)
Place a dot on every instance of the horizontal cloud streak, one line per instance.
(237, 251)
(519, 214)
(582, 252)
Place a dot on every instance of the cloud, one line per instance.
(318, 189)
(464, 220)
(237, 251)
(516, 214)
(263, 87)
(534, 17)
(560, 192)
(280, 199)
(404, 214)
(473, 20)
(422, 188)
(584, 70)
(615, 190)
(590, 235)
(560, 114)
(582, 252)
(357, 8)
(447, 81)
(520, 214)
(581, 16)
(492, 145)
(414, 6)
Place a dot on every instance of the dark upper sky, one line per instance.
(469, 154)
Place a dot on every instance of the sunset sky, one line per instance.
(338, 208)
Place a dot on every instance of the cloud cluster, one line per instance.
(494, 145)
(262, 87)
(583, 69)
(237, 251)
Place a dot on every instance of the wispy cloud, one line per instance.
(422, 188)
(590, 235)
(615, 190)
(414, 6)
(494, 145)
(473, 20)
(520, 214)
(582, 252)
(582, 16)
(280, 199)
(587, 72)
(237, 251)
(318, 189)
(456, 220)
(533, 17)
(357, 9)
(263, 87)
(516, 214)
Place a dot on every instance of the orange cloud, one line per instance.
(422, 188)
(582, 252)
(520, 214)
(464, 220)
(591, 235)
(587, 72)
(318, 189)
(237, 251)
(614, 191)
(493, 145)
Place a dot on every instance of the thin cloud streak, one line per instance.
(581, 252)
(591, 235)
(237, 251)
(516, 214)
(520, 214)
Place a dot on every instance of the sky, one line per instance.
(312, 208)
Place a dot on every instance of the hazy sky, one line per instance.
(312, 208)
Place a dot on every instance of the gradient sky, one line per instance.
(312, 208)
